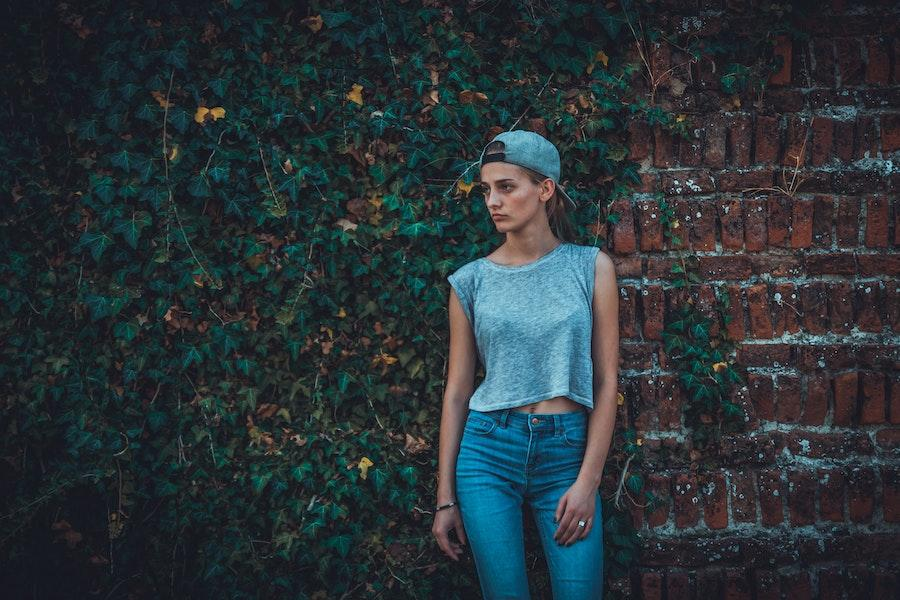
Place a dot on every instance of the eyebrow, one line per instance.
(482, 183)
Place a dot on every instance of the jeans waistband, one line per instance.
(552, 421)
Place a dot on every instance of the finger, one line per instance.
(560, 509)
(460, 531)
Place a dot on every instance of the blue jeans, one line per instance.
(507, 457)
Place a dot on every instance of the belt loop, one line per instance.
(504, 416)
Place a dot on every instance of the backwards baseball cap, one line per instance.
(528, 149)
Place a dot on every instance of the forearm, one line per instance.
(601, 424)
(453, 419)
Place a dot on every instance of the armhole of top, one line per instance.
(590, 269)
(462, 292)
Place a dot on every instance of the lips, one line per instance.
(498, 216)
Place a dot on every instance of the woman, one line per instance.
(541, 313)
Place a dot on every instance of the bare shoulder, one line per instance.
(604, 267)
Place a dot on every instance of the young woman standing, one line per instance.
(541, 314)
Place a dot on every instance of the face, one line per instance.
(510, 197)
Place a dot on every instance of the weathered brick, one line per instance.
(766, 584)
(843, 141)
(801, 223)
(738, 140)
(877, 220)
(833, 445)
(873, 398)
(847, 225)
(685, 496)
(785, 306)
(845, 398)
(623, 236)
(890, 482)
(763, 355)
(627, 311)
(778, 223)
(878, 66)
(735, 326)
(849, 59)
(796, 151)
(801, 499)
(678, 586)
(832, 484)
(830, 264)
(822, 141)
(787, 398)
(670, 403)
(814, 307)
(840, 307)
(651, 585)
(823, 217)
(639, 139)
(742, 495)
(767, 139)
(868, 306)
(860, 497)
(713, 494)
(663, 148)
(649, 225)
(771, 496)
(890, 132)
(815, 406)
(758, 307)
(797, 585)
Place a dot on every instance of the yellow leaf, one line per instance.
(680, 118)
(364, 464)
(639, 441)
(620, 399)
(465, 188)
(198, 280)
(200, 115)
(217, 113)
(719, 366)
(342, 313)
(675, 224)
(600, 56)
(161, 99)
(355, 94)
(173, 153)
(314, 23)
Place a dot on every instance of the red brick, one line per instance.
(714, 148)
(801, 497)
(796, 151)
(742, 496)
(890, 132)
(878, 265)
(814, 300)
(779, 220)
(783, 49)
(771, 496)
(815, 405)
(766, 584)
(685, 497)
(785, 303)
(649, 225)
(845, 398)
(801, 223)
(822, 140)
(681, 207)
(877, 221)
(623, 236)
(787, 398)
(758, 306)
(843, 141)
(873, 398)
(725, 267)
(731, 217)
(840, 306)
(738, 140)
(651, 585)
(868, 302)
(767, 139)
(755, 224)
(830, 264)
(890, 482)
(646, 416)
(659, 486)
(763, 355)
(848, 221)
(678, 586)
(831, 583)
(743, 181)
(797, 585)
(709, 583)
(663, 148)
(865, 141)
(702, 229)
(860, 494)
(888, 440)
(735, 326)
(690, 149)
(831, 494)
(737, 584)
(669, 403)
(639, 137)
(652, 301)
(878, 66)
(849, 59)
(714, 495)
(823, 216)
(830, 445)
(885, 586)
(832, 357)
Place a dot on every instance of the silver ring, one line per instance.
(581, 523)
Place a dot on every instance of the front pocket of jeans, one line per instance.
(575, 437)
(480, 425)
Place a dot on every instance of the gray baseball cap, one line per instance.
(531, 150)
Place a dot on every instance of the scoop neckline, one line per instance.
(529, 265)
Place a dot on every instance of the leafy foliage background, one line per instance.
(224, 250)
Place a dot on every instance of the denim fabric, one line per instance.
(507, 460)
(532, 325)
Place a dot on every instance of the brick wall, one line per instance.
(807, 505)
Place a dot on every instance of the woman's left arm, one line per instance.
(605, 357)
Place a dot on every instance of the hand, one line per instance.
(444, 521)
(577, 504)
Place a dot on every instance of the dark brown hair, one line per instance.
(557, 211)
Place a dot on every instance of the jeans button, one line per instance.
(535, 420)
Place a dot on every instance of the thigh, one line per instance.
(576, 571)
(491, 509)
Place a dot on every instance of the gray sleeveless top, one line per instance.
(532, 326)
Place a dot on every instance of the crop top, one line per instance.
(532, 326)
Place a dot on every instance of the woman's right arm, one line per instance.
(460, 383)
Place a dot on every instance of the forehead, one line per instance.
(497, 172)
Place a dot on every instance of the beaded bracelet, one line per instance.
(448, 505)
